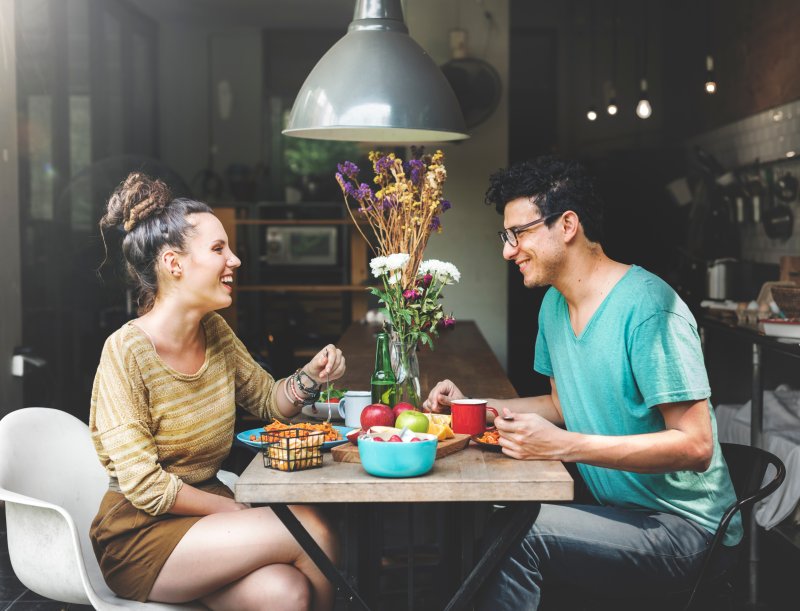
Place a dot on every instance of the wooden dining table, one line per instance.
(473, 475)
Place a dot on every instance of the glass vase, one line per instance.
(406, 371)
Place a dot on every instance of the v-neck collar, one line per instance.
(596, 314)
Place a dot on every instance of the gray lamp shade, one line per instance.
(377, 85)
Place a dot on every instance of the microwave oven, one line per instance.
(302, 245)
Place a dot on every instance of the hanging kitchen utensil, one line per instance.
(475, 82)
(754, 187)
(707, 162)
(778, 218)
(786, 187)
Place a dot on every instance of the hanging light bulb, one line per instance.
(591, 114)
(612, 106)
(711, 83)
(643, 108)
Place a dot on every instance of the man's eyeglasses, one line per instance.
(509, 236)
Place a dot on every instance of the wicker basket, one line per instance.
(787, 299)
(292, 449)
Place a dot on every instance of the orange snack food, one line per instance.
(331, 434)
(492, 437)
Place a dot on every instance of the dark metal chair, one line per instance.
(748, 466)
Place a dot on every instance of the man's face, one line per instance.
(537, 252)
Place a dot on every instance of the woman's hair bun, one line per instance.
(137, 198)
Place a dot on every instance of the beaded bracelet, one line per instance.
(298, 399)
(308, 390)
(311, 396)
(286, 383)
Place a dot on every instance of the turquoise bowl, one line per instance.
(397, 459)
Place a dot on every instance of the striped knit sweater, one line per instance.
(155, 428)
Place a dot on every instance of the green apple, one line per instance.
(415, 421)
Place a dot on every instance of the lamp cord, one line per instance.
(614, 47)
(645, 41)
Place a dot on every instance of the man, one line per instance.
(629, 385)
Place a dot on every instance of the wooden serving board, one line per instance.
(347, 452)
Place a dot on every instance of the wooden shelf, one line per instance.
(301, 288)
(351, 297)
(295, 222)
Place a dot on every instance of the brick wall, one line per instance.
(756, 48)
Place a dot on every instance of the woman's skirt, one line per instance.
(132, 546)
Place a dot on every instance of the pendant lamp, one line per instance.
(377, 85)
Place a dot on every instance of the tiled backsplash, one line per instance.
(766, 136)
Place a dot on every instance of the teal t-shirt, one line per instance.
(640, 349)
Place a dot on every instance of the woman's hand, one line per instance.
(441, 396)
(327, 365)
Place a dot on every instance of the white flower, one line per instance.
(442, 271)
(379, 266)
(431, 266)
(450, 273)
(383, 265)
(395, 278)
(397, 261)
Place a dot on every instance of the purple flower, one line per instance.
(425, 281)
(411, 294)
(349, 189)
(435, 223)
(448, 322)
(446, 205)
(348, 168)
(363, 192)
(382, 164)
(415, 170)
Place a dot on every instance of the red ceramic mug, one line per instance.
(469, 416)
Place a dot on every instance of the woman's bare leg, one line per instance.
(277, 587)
(225, 547)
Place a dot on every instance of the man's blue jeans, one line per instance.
(602, 550)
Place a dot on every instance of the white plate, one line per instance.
(321, 412)
(781, 329)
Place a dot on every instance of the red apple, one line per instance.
(395, 439)
(376, 414)
(353, 435)
(402, 407)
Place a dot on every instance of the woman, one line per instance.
(162, 417)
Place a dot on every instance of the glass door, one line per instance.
(79, 134)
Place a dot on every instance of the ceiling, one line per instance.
(284, 14)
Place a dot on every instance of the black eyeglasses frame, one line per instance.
(516, 231)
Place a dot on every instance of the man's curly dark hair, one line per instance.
(555, 186)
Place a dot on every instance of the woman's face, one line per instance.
(206, 278)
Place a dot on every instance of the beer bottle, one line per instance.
(383, 381)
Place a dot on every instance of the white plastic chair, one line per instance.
(52, 483)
